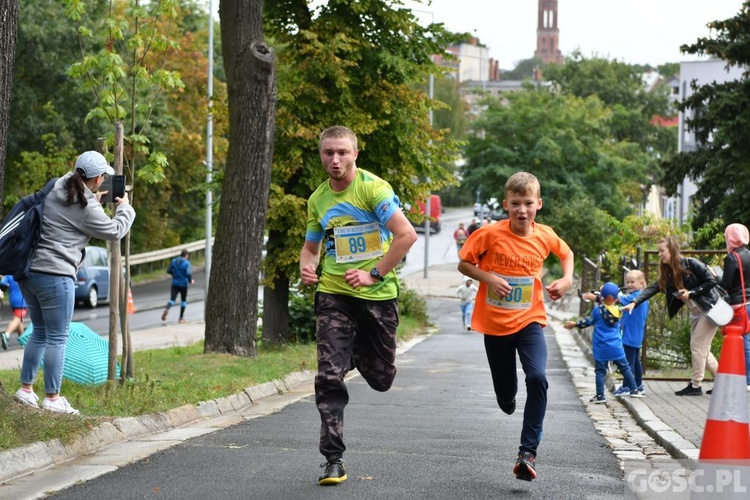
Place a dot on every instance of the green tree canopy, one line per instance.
(524, 69)
(359, 64)
(566, 141)
(720, 121)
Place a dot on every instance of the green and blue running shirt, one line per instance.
(351, 226)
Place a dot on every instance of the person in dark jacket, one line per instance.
(738, 261)
(686, 281)
(182, 276)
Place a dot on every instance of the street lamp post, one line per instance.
(209, 142)
(427, 205)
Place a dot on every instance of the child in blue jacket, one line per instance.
(606, 341)
(633, 328)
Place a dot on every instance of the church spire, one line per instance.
(547, 34)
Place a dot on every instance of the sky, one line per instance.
(631, 31)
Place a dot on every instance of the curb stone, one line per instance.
(38, 456)
(662, 434)
(617, 423)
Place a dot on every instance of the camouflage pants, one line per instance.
(351, 332)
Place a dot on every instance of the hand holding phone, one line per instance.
(115, 187)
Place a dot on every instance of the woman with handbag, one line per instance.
(687, 281)
(736, 280)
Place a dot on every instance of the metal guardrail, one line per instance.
(146, 262)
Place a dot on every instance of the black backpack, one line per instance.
(20, 233)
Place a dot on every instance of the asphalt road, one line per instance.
(436, 434)
(149, 299)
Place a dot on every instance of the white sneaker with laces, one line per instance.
(59, 405)
(26, 398)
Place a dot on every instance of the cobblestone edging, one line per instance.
(612, 420)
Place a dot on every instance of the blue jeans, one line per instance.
(633, 355)
(466, 310)
(600, 369)
(50, 300)
(532, 351)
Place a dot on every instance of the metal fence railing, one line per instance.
(144, 263)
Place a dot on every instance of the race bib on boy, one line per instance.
(520, 296)
(355, 243)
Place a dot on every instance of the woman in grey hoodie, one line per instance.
(72, 216)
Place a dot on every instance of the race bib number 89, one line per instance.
(520, 296)
(355, 243)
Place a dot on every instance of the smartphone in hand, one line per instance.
(115, 187)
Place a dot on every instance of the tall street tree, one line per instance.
(720, 120)
(363, 65)
(232, 301)
(8, 38)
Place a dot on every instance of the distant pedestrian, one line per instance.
(507, 258)
(607, 342)
(72, 216)
(357, 219)
(737, 271)
(473, 226)
(460, 235)
(17, 306)
(633, 328)
(466, 293)
(686, 281)
(182, 276)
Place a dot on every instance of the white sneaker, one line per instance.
(59, 405)
(26, 398)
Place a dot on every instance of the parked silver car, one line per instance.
(92, 281)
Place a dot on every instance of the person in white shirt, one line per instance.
(466, 294)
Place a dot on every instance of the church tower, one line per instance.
(547, 34)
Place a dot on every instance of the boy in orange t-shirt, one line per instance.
(507, 259)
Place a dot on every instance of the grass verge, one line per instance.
(165, 379)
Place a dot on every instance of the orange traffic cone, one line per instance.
(727, 434)
(131, 304)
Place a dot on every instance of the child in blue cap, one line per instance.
(606, 341)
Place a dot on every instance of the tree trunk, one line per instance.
(232, 299)
(8, 41)
(276, 312)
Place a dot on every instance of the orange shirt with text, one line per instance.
(520, 260)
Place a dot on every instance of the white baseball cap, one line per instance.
(92, 164)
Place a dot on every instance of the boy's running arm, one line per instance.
(494, 282)
(558, 288)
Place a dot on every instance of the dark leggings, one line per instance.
(532, 351)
